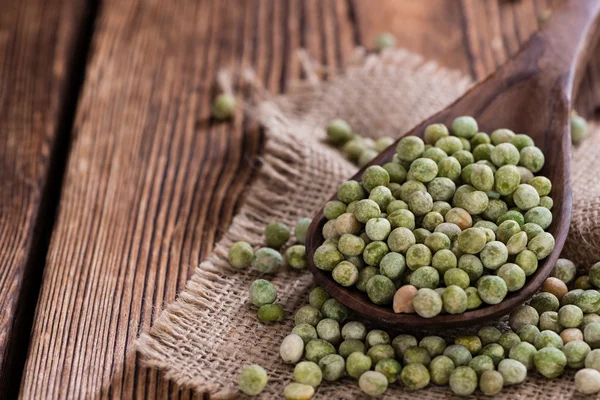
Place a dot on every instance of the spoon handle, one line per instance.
(562, 48)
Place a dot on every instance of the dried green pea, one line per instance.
(296, 256)
(472, 240)
(363, 277)
(402, 219)
(481, 363)
(520, 141)
(435, 132)
(528, 262)
(491, 382)
(464, 157)
(267, 260)
(366, 157)
(507, 179)
(416, 355)
(291, 349)
(253, 379)
(382, 196)
(523, 352)
(502, 136)
(415, 376)
(542, 245)
(463, 381)
(483, 152)
(508, 340)
(494, 351)
(350, 346)
(507, 229)
(459, 354)
(240, 255)
(513, 275)
(335, 310)
(449, 168)
(308, 373)
(298, 391)
(396, 172)
(449, 229)
(524, 315)
(403, 342)
(494, 255)
(443, 260)
(338, 131)
(492, 289)
(441, 207)
(374, 252)
(489, 334)
(546, 202)
(271, 313)
(473, 299)
(450, 144)
(401, 239)
(427, 303)
(434, 345)
(441, 189)
(576, 352)
(511, 215)
(305, 331)
(423, 169)
(380, 289)
(435, 154)
(548, 338)
(472, 343)
(591, 334)
(464, 126)
(262, 292)
(550, 361)
(587, 381)
(224, 106)
(418, 255)
(390, 368)
(373, 383)
(532, 158)
(307, 315)
(513, 372)
(358, 363)
(505, 154)
(410, 148)
(326, 257)
(579, 128)
(316, 349)
(384, 41)
(334, 209)
(431, 220)
(351, 191)
(420, 203)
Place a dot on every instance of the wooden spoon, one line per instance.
(531, 93)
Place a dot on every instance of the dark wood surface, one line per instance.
(531, 93)
(38, 75)
(150, 183)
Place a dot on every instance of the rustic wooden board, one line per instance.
(151, 183)
(38, 42)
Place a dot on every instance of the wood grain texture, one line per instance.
(151, 183)
(37, 45)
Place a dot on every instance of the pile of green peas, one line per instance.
(453, 222)
(269, 260)
(547, 336)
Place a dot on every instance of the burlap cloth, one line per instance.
(204, 337)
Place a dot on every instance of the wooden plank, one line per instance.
(151, 182)
(38, 57)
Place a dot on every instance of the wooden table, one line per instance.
(115, 184)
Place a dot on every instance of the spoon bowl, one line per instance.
(531, 93)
